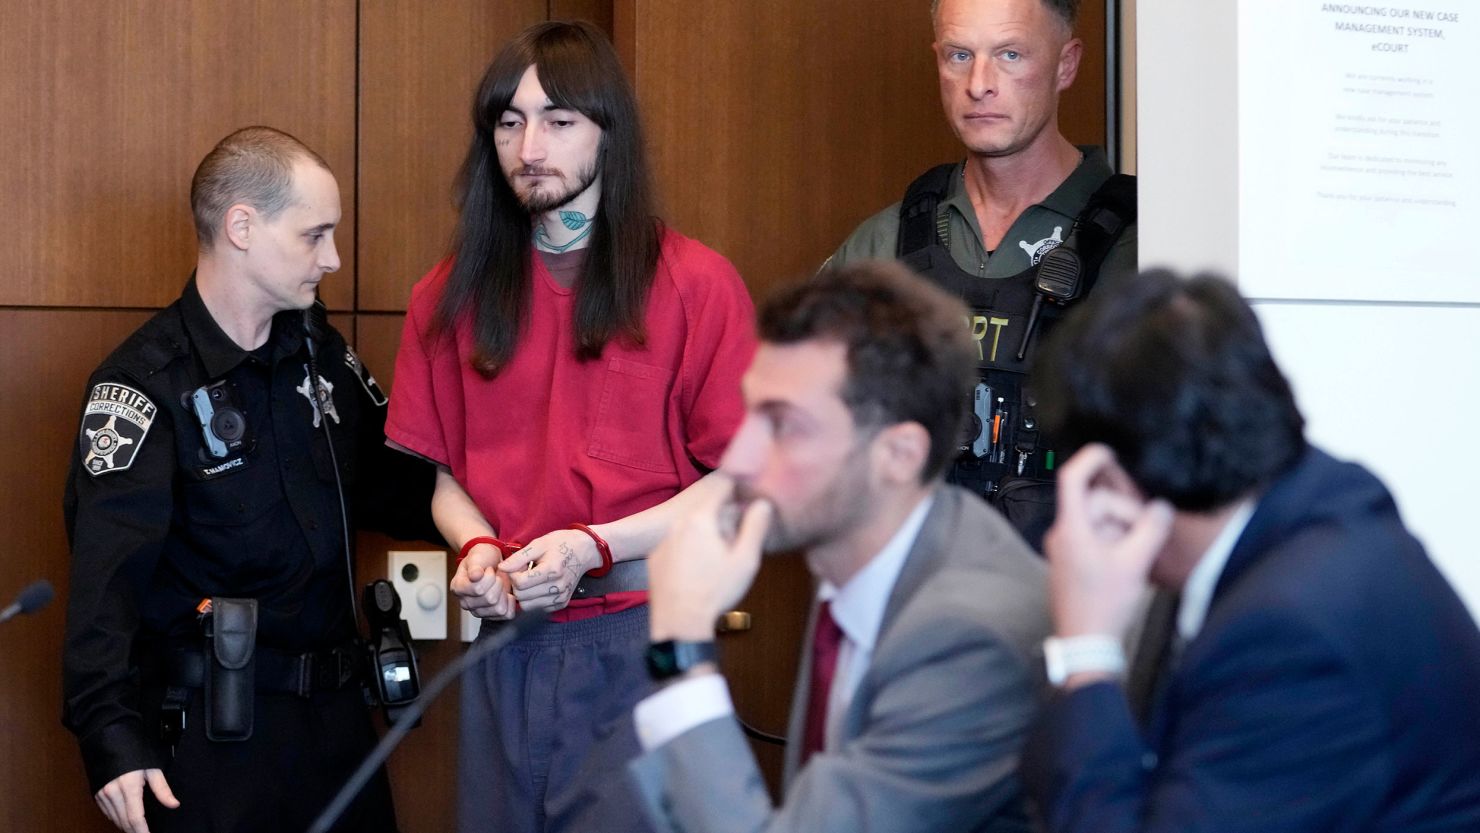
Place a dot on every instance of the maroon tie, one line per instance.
(826, 637)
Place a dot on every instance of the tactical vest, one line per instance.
(1003, 455)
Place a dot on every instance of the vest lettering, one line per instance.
(980, 325)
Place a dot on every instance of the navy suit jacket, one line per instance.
(1335, 686)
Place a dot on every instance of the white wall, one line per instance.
(1390, 385)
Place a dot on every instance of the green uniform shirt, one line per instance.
(1039, 228)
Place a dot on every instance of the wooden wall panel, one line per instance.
(108, 107)
(761, 664)
(420, 64)
(596, 11)
(777, 126)
(48, 356)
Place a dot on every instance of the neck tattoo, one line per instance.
(572, 220)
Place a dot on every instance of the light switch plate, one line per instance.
(421, 580)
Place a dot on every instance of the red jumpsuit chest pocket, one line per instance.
(631, 424)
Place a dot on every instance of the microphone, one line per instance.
(38, 594)
(520, 625)
(313, 326)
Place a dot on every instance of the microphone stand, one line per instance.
(519, 626)
(37, 595)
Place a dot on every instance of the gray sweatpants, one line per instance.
(547, 730)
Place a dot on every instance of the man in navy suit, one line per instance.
(1319, 674)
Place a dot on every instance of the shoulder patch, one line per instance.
(115, 422)
(357, 367)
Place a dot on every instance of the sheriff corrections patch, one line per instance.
(114, 424)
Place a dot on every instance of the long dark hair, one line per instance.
(491, 249)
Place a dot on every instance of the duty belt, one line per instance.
(625, 577)
(276, 671)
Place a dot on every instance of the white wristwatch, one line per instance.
(1063, 656)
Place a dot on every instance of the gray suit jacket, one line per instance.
(931, 740)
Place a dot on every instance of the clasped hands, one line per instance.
(701, 568)
(541, 575)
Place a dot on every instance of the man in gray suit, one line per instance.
(919, 681)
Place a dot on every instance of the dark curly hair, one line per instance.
(910, 355)
(1174, 375)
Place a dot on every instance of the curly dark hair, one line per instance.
(910, 355)
(1174, 375)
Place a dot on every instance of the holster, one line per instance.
(230, 631)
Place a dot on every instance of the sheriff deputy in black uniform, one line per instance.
(210, 672)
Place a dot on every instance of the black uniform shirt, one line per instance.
(200, 471)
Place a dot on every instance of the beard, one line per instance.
(538, 199)
(842, 505)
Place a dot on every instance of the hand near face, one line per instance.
(544, 574)
(1101, 545)
(702, 568)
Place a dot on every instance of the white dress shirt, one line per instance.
(858, 608)
(1197, 593)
